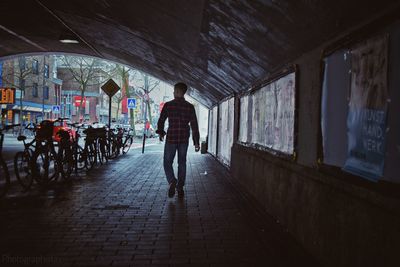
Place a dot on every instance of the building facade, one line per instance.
(37, 90)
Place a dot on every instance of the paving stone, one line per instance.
(119, 215)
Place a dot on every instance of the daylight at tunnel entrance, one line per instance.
(199, 133)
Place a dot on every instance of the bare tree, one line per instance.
(124, 74)
(87, 71)
(117, 98)
(149, 84)
(17, 77)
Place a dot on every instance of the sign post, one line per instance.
(144, 126)
(110, 88)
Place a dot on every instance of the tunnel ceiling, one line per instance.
(217, 47)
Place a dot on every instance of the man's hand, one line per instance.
(161, 134)
(197, 148)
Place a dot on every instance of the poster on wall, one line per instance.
(366, 120)
(284, 122)
(267, 115)
(278, 100)
(225, 138)
(244, 120)
(212, 147)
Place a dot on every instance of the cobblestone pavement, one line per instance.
(119, 215)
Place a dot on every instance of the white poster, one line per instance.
(273, 113)
(225, 139)
(244, 122)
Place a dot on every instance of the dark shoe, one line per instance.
(171, 191)
(181, 193)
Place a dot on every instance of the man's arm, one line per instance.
(161, 122)
(195, 130)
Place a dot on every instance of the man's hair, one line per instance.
(181, 87)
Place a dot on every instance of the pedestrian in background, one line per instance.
(180, 114)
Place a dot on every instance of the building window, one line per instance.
(35, 66)
(22, 63)
(35, 90)
(46, 71)
(46, 92)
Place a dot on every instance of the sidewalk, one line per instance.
(120, 215)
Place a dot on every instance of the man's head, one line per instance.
(180, 89)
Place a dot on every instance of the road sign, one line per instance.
(77, 101)
(56, 109)
(131, 103)
(110, 87)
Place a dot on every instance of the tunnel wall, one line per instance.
(341, 219)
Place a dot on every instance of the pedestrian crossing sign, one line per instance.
(131, 103)
(56, 109)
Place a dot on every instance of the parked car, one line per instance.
(139, 127)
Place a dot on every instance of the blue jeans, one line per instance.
(169, 155)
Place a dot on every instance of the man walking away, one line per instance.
(180, 114)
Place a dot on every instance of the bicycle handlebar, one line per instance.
(8, 127)
(75, 124)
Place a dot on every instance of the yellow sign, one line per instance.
(7, 95)
(110, 87)
(9, 115)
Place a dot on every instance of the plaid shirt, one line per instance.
(179, 113)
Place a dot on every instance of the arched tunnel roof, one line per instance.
(217, 46)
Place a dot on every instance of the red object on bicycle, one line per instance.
(62, 125)
(50, 129)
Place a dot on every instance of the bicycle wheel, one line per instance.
(66, 163)
(127, 145)
(90, 152)
(113, 149)
(44, 166)
(22, 169)
(81, 159)
(4, 178)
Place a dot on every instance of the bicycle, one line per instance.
(115, 143)
(43, 161)
(65, 159)
(22, 160)
(46, 163)
(100, 143)
(128, 141)
(94, 148)
(80, 155)
(4, 173)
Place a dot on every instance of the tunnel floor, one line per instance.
(120, 215)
